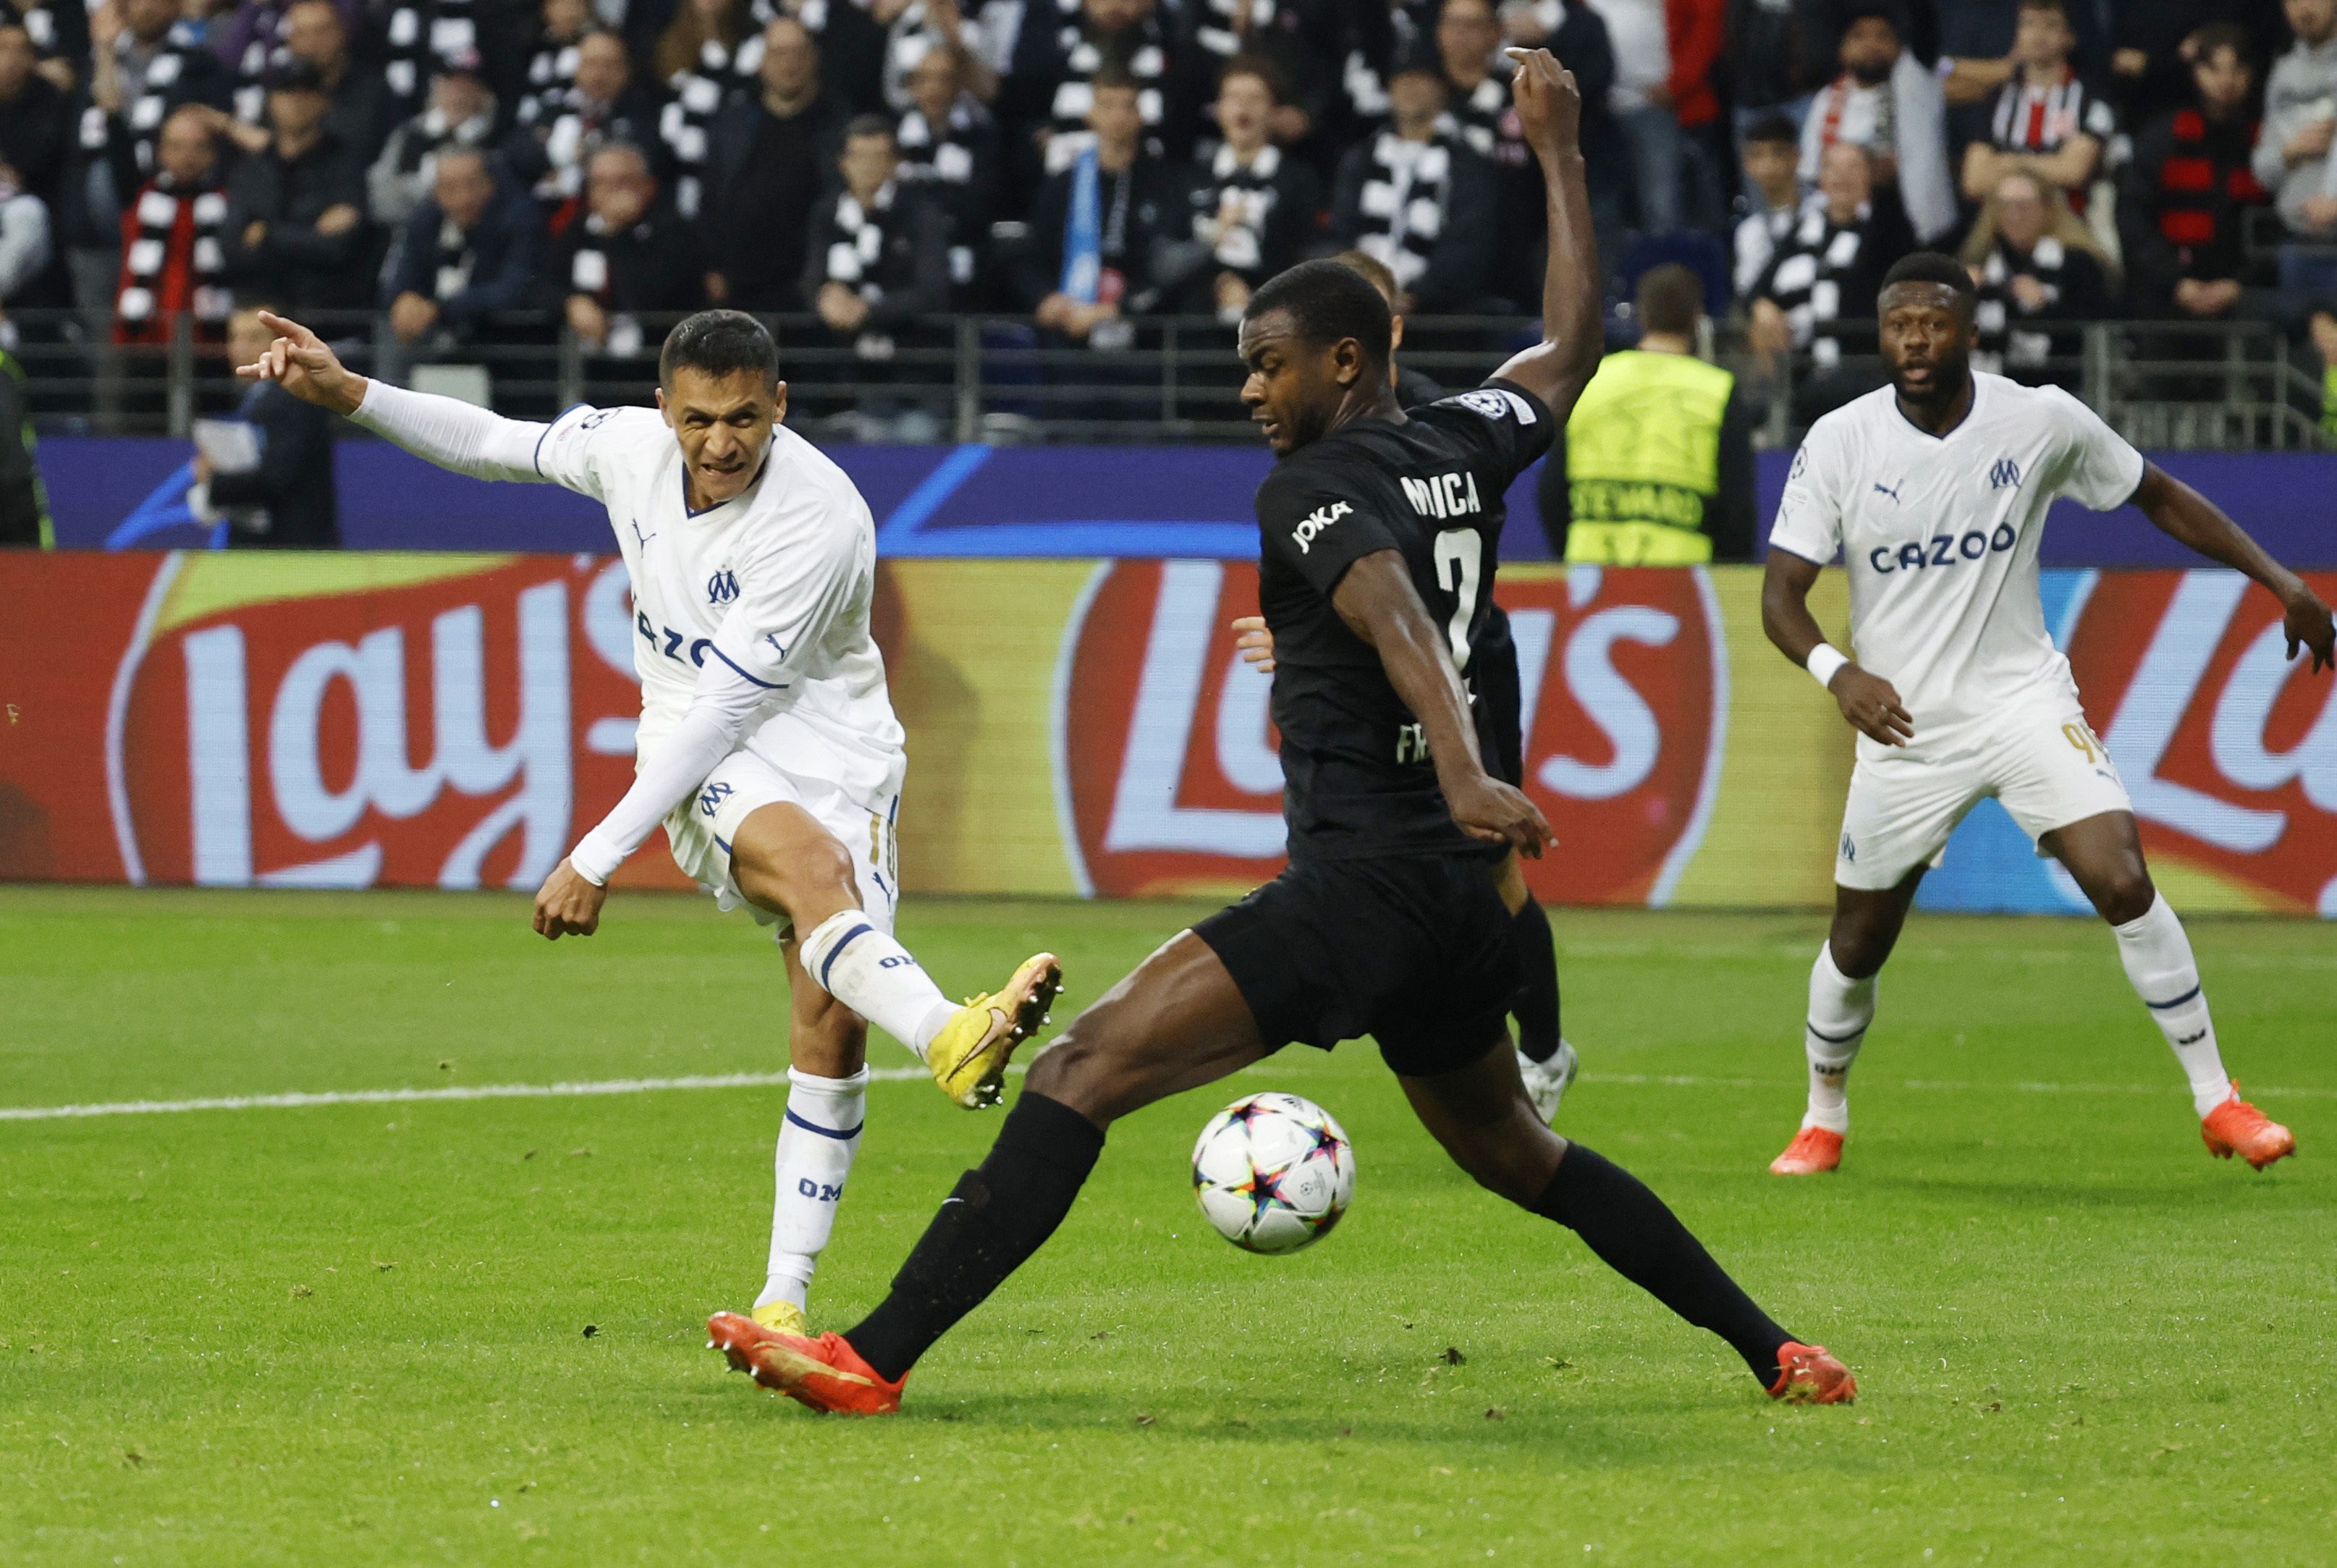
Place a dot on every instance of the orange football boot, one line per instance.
(1814, 1150)
(826, 1373)
(1809, 1375)
(2237, 1127)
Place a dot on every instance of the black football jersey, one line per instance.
(1357, 779)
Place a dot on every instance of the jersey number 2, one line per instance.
(1460, 561)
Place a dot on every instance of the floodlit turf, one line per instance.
(469, 1331)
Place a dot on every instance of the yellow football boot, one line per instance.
(784, 1317)
(968, 1058)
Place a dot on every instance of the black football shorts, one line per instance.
(1412, 950)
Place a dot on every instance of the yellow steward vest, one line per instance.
(1643, 460)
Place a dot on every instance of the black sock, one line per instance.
(1535, 1007)
(996, 1217)
(1637, 1237)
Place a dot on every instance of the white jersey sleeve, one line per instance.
(2100, 469)
(570, 450)
(1809, 514)
(788, 598)
(450, 433)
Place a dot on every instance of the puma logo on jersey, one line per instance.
(1442, 494)
(1889, 489)
(1315, 521)
(639, 538)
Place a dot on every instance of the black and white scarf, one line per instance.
(588, 273)
(1403, 203)
(1075, 94)
(911, 38)
(264, 52)
(2004, 343)
(1222, 27)
(943, 156)
(1235, 205)
(1805, 279)
(146, 101)
(146, 260)
(1483, 120)
(853, 255)
(551, 73)
(422, 35)
(686, 123)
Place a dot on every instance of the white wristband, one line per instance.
(1825, 662)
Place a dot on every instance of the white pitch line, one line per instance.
(297, 1101)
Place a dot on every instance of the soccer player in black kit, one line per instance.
(1379, 534)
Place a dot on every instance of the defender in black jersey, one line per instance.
(1379, 540)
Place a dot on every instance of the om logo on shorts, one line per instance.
(712, 796)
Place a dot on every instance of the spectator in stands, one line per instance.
(467, 255)
(2190, 184)
(705, 56)
(851, 48)
(630, 255)
(315, 33)
(2294, 158)
(26, 244)
(914, 29)
(1641, 100)
(462, 113)
(1772, 197)
(2040, 275)
(144, 63)
(417, 38)
(1886, 103)
(1696, 32)
(949, 143)
(878, 258)
(2044, 120)
(1254, 205)
(1768, 61)
(2155, 45)
(296, 209)
(35, 120)
(290, 501)
(24, 520)
(1047, 93)
(551, 64)
(1418, 200)
(603, 104)
(1655, 466)
(1304, 42)
(1477, 95)
(59, 31)
(766, 163)
(1110, 234)
(1817, 295)
(173, 239)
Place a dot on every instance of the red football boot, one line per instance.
(2237, 1127)
(1813, 1150)
(826, 1373)
(1809, 1375)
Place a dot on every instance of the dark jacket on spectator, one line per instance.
(764, 177)
(2187, 192)
(2015, 340)
(1057, 54)
(898, 253)
(36, 136)
(1460, 258)
(657, 265)
(288, 501)
(1254, 221)
(1157, 256)
(1825, 275)
(179, 71)
(956, 161)
(551, 154)
(294, 265)
(470, 274)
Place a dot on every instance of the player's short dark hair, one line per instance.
(861, 125)
(1670, 298)
(719, 344)
(2229, 35)
(1327, 301)
(1259, 66)
(1933, 267)
(1773, 127)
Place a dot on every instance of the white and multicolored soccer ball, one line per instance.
(1273, 1171)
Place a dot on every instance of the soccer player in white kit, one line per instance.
(767, 747)
(1933, 491)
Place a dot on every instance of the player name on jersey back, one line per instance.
(1939, 537)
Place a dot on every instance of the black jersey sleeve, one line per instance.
(1316, 526)
(1506, 427)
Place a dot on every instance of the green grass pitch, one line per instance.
(358, 1332)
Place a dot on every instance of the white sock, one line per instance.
(817, 1143)
(1839, 1011)
(2158, 959)
(874, 975)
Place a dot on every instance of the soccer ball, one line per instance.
(1272, 1173)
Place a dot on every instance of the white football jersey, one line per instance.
(1939, 537)
(776, 583)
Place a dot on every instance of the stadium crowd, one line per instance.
(478, 169)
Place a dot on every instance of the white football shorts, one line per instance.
(2040, 758)
(701, 829)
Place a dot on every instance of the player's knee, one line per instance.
(1859, 948)
(2125, 894)
(809, 881)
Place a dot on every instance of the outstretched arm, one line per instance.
(1376, 600)
(1868, 701)
(2183, 514)
(1557, 368)
(446, 432)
